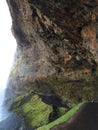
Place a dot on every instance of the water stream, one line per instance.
(8, 120)
(7, 51)
(3, 110)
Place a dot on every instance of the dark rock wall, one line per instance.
(62, 32)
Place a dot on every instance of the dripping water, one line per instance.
(7, 50)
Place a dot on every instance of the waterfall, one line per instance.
(7, 50)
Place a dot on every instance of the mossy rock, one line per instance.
(14, 70)
(62, 119)
(35, 112)
(72, 91)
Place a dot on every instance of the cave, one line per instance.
(55, 65)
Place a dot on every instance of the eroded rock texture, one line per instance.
(57, 50)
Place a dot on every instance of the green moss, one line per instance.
(15, 67)
(18, 100)
(62, 119)
(72, 91)
(35, 112)
(62, 110)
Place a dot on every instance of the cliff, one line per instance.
(56, 60)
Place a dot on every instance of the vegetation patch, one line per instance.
(14, 70)
(72, 91)
(35, 112)
(62, 119)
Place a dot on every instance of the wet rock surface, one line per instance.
(12, 122)
(57, 52)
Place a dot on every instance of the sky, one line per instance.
(7, 43)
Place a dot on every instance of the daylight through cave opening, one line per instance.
(7, 44)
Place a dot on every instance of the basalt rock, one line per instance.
(57, 50)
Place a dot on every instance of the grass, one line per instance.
(62, 119)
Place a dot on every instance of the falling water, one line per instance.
(7, 50)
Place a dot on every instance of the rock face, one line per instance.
(57, 52)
